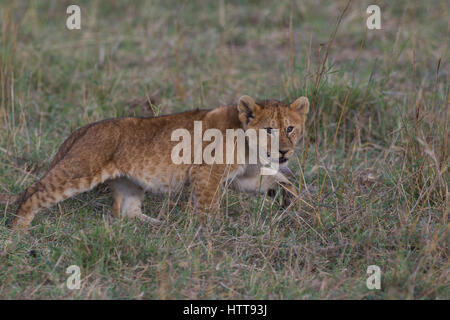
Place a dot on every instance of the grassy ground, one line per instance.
(373, 170)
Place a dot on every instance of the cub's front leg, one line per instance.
(206, 183)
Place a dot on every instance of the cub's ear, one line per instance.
(301, 105)
(247, 108)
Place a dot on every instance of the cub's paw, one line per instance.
(271, 193)
(289, 195)
(151, 221)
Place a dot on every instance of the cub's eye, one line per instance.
(269, 130)
(289, 129)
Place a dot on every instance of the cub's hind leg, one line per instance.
(68, 178)
(128, 197)
(84, 160)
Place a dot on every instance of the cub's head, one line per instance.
(289, 119)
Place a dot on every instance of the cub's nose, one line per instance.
(283, 152)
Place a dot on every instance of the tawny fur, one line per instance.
(133, 155)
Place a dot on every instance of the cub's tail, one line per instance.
(9, 198)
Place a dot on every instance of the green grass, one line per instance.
(373, 170)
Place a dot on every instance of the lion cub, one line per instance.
(133, 155)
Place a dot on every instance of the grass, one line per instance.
(373, 170)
